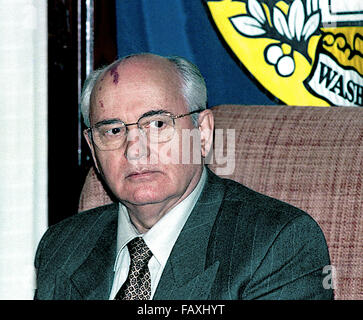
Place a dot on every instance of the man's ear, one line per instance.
(92, 148)
(206, 127)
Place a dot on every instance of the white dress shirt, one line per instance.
(160, 238)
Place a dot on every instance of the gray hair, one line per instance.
(194, 89)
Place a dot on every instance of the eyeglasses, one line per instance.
(157, 126)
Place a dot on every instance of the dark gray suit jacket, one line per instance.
(236, 244)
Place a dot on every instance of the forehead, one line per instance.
(136, 86)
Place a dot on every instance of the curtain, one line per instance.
(23, 142)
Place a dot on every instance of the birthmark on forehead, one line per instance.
(100, 102)
(114, 74)
(100, 86)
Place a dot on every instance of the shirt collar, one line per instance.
(162, 236)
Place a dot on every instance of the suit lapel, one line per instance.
(94, 276)
(185, 275)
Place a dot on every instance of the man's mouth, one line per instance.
(142, 174)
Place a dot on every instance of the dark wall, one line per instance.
(68, 156)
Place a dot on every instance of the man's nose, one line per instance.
(136, 145)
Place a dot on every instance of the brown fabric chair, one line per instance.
(310, 157)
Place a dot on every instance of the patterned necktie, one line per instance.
(138, 284)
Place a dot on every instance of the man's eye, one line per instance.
(113, 132)
(157, 124)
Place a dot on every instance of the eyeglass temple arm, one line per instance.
(187, 114)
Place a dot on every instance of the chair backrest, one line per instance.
(309, 157)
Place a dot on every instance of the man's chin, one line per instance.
(144, 197)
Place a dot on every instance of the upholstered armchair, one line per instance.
(310, 157)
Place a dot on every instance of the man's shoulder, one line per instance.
(248, 202)
(260, 215)
(66, 245)
(256, 221)
(78, 226)
(84, 219)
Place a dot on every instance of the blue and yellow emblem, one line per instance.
(304, 52)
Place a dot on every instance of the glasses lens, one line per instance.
(158, 128)
(109, 136)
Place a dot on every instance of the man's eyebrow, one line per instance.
(106, 121)
(154, 112)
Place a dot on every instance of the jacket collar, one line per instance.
(186, 275)
(94, 276)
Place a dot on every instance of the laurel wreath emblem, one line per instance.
(295, 29)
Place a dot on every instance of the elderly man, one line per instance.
(178, 231)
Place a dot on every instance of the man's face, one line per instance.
(126, 93)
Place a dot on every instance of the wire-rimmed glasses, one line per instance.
(156, 126)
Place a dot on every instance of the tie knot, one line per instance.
(140, 254)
